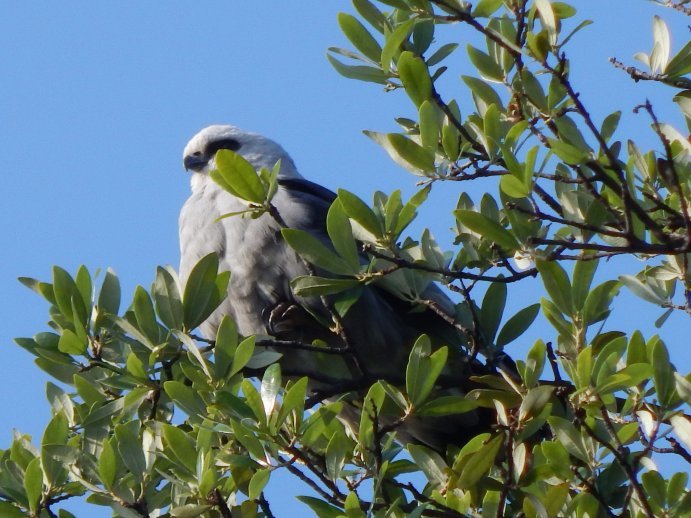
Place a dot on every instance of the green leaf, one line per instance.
(204, 291)
(492, 310)
(316, 253)
(293, 401)
(412, 153)
(677, 486)
(569, 437)
(654, 486)
(226, 343)
(597, 302)
(430, 126)
(492, 130)
(534, 402)
(359, 36)
(189, 510)
(107, 464)
(423, 36)
(482, 91)
(487, 228)
(195, 354)
(663, 374)
(66, 291)
(517, 325)
(311, 285)
(442, 53)
(33, 483)
(569, 153)
(129, 447)
(372, 403)
(258, 483)
(56, 433)
(271, 384)
(109, 296)
(254, 401)
(84, 285)
(382, 139)
(430, 462)
(341, 234)
(185, 397)
(44, 289)
(167, 299)
(485, 8)
(8, 510)
(320, 508)
(357, 72)
(409, 210)
(549, 22)
(243, 353)
(489, 69)
(394, 42)
(583, 274)
(145, 315)
(480, 462)
(680, 64)
(446, 405)
(642, 289)
(337, 449)
(609, 125)
(237, 176)
(629, 376)
(100, 414)
(358, 210)
(557, 284)
(513, 187)
(248, 440)
(535, 363)
(181, 446)
(415, 77)
(70, 343)
(423, 369)
(371, 14)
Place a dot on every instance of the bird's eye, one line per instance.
(226, 143)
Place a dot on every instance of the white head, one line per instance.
(199, 155)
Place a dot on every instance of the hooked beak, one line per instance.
(194, 163)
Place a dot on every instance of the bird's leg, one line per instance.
(277, 319)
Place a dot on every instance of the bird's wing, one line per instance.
(307, 209)
(307, 205)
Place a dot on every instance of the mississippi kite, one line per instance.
(380, 327)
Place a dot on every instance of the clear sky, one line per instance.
(98, 99)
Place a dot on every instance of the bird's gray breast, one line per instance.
(260, 262)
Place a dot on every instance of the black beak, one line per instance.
(194, 163)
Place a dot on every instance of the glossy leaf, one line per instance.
(359, 36)
(237, 176)
(393, 44)
(431, 463)
(487, 228)
(341, 234)
(517, 325)
(167, 299)
(316, 253)
(412, 153)
(311, 285)
(357, 72)
(557, 284)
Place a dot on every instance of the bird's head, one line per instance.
(199, 155)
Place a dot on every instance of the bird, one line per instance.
(380, 328)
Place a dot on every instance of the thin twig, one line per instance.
(640, 75)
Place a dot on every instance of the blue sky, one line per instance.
(98, 99)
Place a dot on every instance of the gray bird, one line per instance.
(380, 327)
